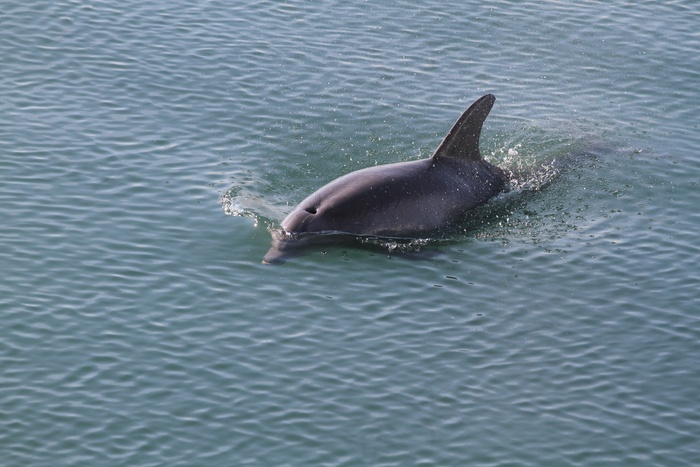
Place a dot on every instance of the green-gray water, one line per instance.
(139, 327)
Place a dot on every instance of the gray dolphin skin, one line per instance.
(401, 200)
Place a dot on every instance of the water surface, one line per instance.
(139, 327)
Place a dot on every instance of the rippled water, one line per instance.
(558, 327)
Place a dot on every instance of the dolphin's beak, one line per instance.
(275, 256)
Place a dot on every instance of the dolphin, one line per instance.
(400, 200)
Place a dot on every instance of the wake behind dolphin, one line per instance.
(402, 200)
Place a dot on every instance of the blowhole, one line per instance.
(310, 210)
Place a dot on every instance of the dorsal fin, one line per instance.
(462, 141)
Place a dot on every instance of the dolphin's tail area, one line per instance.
(462, 141)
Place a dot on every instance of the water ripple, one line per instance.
(140, 328)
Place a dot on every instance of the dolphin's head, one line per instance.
(296, 233)
(322, 213)
(301, 219)
(313, 223)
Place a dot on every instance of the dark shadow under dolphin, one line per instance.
(406, 200)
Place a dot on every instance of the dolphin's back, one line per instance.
(403, 199)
